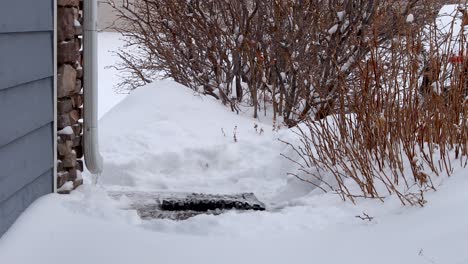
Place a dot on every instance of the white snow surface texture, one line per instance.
(164, 137)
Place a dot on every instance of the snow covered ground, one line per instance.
(163, 137)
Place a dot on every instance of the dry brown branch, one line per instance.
(384, 123)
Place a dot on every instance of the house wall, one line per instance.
(107, 18)
(26, 105)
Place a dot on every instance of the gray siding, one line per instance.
(26, 16)
(24, 57)
(26, 105)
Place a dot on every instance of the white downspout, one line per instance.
(55, 97)
(93, 158)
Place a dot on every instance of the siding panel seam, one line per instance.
(27, 134)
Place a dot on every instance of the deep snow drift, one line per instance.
(164, 137)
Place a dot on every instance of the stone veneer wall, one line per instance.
(69, 95)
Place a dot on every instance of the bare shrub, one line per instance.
(295, 56)
(407, 109)
(371, 83)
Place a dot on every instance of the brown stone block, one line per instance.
(66, 80)
(64, 138)
(65, 24)
(63, 121)
(70, 3)
(72, 174)
(65, 148)
(77, 129)
(69, 161)
(76, 13)
(64, 105)
(67, 52)
(74, 116)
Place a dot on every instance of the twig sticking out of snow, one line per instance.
(364, 217)
(234, 134)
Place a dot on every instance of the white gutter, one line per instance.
(93, 158)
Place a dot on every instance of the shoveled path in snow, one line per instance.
(181, 206)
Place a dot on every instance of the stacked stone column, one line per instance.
(69, 95)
